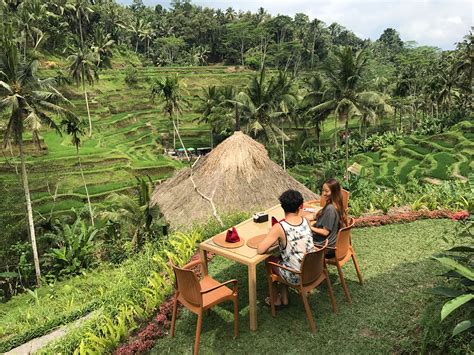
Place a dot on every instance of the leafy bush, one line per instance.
(459, 288)
(131, 76)
(119, 297)
(75, 247)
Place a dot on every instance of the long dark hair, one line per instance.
(336, 201)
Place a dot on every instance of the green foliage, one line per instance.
(460, 266)
(110, 332)
(75, 247)
(133, 218)
(131, 76)
(125, 295)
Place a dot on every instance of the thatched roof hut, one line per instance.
(237, 175)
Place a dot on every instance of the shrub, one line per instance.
(131, 76)
(75, 247)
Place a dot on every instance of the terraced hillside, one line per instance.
(126, 125)
(444, 156)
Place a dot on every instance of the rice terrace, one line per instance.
(216, 177)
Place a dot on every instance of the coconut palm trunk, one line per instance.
(80, 28)
(181, 141)
(237, 118)
(87, 190)
(318, 135)
(87, 105)
(345, 116)
(283, 147)
(29, 210)
(174, 133)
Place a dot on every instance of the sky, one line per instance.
(439, 23)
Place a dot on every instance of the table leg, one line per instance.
(203, 256)
(253, 296)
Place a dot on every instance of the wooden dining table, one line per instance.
(246, 255)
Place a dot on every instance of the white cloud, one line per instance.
(455, 19)
(438, 23)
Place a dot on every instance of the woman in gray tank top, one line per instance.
(331, 218)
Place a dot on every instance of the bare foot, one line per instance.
(276, 302)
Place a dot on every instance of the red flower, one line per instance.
(162, 319)
(460, 215)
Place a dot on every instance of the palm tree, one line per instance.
(344, 71)
(137, 29)
(81, 11)
(199, 55)
(372, 106)
(169, 90)
(136, 214)
(31, 13)
(219, 109)
(146, 34)
(315, 95)
(27, 99)
(262, 103)
(102, 47)
(82, 68)
(208, 102)
(75, 130)
(230, 14)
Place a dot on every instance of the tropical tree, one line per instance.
(146, 34)
(209, 101)
(170, 91)
(28, 100)
(75, 130)
(316, 94)
(135, 214)
(344, 71)
(81, 11)
(82, 69)
(136, 29)
(199, 55)
(262, 104)
(219, 109)
(30, 15)
(102, 47)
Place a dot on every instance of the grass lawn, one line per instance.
(386, 315)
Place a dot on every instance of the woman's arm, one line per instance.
(321, 231)
(310, 216)
(326, 219)
(270, 239)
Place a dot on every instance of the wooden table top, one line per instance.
(248, 229)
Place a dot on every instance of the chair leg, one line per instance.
(236, 317)
(173, 318)
(356, 265)
(330, 292)
(308, 311)
(198, 333)
(343, 282)
(270, 292)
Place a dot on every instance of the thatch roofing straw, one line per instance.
(238, 175)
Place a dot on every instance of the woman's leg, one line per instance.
(284, 294)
